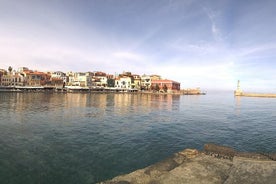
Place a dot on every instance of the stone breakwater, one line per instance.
(264, 95)
(214, 165)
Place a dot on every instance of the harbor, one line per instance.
(92, 137)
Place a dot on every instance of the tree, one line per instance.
(165, 88)
(110, 82)
(10, 69)
(157, 88)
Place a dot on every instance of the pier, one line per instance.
(265, 95)
(195, 91)
(239, 92)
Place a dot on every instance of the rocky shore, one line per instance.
(214, 165)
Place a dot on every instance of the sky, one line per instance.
(200, 43)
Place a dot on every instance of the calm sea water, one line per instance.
(86, 138)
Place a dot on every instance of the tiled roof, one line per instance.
(164, 81)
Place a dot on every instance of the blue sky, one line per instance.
(200, 43)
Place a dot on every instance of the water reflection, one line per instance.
(68, 138)
(72, 105)
(143, 103)
(237, 105)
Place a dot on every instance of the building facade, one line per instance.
(123, 82)
(145, 82)
(165, 85)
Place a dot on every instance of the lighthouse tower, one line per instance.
(238, 91)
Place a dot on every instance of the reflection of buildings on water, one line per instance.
(26, 101)
(23, 105)
(87, 104)
(126, 103)
(86, 100)
(77, 105)
(75, 100)
(164, 101)
(144, 103)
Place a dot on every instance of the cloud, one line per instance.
(212, 15)
(257, 49)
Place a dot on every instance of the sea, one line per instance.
(68, 138)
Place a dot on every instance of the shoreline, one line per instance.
(74, 89)
(215, 164)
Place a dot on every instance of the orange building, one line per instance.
(35, 78)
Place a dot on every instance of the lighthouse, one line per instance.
(238, 91)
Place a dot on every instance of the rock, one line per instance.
(247, 171)
(216, 165)
(189, 153)
(219, 151)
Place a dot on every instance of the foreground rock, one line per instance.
(216, 164)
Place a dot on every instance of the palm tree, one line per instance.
(10, 69)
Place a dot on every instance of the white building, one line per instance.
(59, 75)
(123, 82)
(145, 82)
(79, 79)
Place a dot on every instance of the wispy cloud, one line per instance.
(256, 49)
(212, 15)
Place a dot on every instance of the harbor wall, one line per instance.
(97, 89)
(265, 95)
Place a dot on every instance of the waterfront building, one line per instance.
(36, 78)
(165, 85)
(22, 69)
(110, 80)
(56, 82)
(2, 72)
(70, 78)
(137, 81)
(128, 74)
(99, 79)
(58, 75)
(145, 82)
(123, 82)
(82, 79)
(13, 79)
(155, 77)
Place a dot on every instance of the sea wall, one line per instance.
(265, 95)
(214, 165)
(94, 90)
